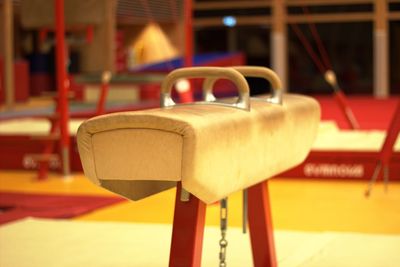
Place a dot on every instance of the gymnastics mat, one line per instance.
(15, 206)
(51, 243)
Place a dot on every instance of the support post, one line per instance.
(105, 86)
(386, 152)
(381, 49)
(187, 232)
(110, 27)
(260, 226)
(279, 41)
(188, 31)
(62, 84)
(187, 95)
(8, 53)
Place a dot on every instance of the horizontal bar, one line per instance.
(326, 2)
(302, 18)
(231, 5)
(254, 4)
(326, 18)
(240, 20)
(394, 15)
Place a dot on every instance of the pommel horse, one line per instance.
(208, 149)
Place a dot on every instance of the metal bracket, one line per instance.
(185, 195)
(213, 73)
(250, 71)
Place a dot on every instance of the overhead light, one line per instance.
(229, 21)
(182, 85)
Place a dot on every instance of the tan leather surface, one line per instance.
(213, 150)
(157, 154)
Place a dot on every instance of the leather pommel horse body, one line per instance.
(210, 149)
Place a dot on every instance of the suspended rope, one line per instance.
(296, 29)
(317, 38)
(324, 66)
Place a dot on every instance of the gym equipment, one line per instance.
(386, 153)
(324, 65)
(49, 156)
(354, 154)
(208, 149)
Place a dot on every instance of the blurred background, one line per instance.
(64, 61)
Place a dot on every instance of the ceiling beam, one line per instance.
(231, 5)
(329, 18)
(326, 2)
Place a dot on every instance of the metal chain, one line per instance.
(223, 243)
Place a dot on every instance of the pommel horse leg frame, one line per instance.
(386, 152)
(189, 217)
(188, 229)
(260, 225)
(187, 232)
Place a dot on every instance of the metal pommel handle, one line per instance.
(209, 73)
(251, 71)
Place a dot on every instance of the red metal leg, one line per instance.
(187, 233)
(43, 171)
(260, 226)
(391, 137)
(187, 97)
(50, 146)
(102, 98)
(188, 28)
(62, 84)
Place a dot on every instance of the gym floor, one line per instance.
(317, 223)
(297, 204)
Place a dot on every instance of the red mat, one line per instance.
(371, 113)
(15, 206)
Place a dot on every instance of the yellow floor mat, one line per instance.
(297, 204)
(60, 243)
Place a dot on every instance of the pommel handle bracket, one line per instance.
(209, 73)
(250, 71)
